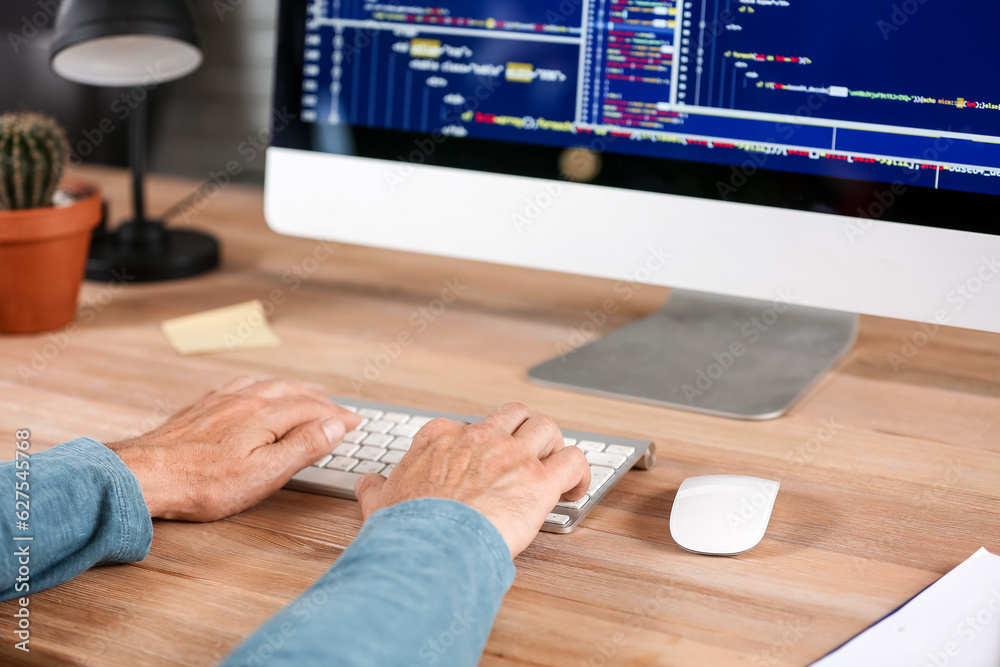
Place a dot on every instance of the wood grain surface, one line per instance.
(890, 473)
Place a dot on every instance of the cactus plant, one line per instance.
(33, 154)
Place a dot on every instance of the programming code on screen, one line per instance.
(853, 88)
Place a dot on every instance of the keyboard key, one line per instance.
(590, 446)
(368, 466)
(345, 449)
(620, 449)
(351, 408)
(402, 444)
(397, 417)
(355, 436)
(370, 413)
(595, 486)
(344, 463)
(388, 469)
(602, 459)
(598, 476)
(370, 453)
(558, 519)
(328, 478)
(378, 426)
(405, 430)
(323, 461)
(377, 440)
(600, 471)
(574, 504)
(569, 442)
(392, 456)
(419, 420)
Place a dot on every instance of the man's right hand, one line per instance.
(513, 468)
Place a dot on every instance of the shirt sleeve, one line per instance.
(85, 508)
(420, 585)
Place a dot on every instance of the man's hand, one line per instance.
(233, 448)
(513, 468)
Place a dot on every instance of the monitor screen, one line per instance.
(889, 111)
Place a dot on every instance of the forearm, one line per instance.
(86, 509)
(421, 584)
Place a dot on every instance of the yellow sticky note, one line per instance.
(240, 327)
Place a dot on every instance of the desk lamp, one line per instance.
(137, 45)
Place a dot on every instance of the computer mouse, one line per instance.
(722, 515)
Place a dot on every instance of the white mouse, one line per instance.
(722, 515)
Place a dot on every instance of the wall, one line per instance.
(206, 116)
(196, 123)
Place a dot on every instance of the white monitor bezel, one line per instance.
(829, 261)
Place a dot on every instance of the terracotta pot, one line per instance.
(43, 252)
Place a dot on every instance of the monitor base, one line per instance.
(725, 356)
(148, 251)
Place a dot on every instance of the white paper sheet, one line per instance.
(955, 622)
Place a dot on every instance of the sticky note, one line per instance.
(230, 329)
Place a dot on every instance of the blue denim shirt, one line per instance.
(420, 585)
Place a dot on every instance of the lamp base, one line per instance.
(148, 251)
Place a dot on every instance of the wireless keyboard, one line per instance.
(386, 432)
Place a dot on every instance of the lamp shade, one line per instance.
(124, 42)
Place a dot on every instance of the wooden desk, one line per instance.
(889, 479)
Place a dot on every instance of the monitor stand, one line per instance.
(708, 353)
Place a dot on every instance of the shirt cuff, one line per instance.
(131, 522)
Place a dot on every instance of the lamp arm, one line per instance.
(137, 156)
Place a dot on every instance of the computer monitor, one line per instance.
(781, 165)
